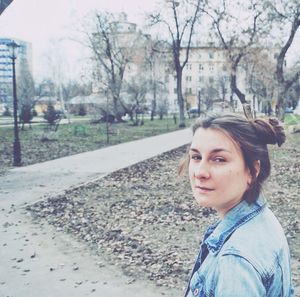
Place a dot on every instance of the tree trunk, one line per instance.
(253, 105)
(237, 91)
(280, 106)
(281, 113)
(234, 87)
(153, 109)
(180, 98)
(283, 83)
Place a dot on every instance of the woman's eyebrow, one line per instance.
(194, 150)
(216, 150)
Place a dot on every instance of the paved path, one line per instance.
(36, 260)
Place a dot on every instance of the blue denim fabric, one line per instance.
(244, 255)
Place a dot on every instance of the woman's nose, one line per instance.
(201, 170)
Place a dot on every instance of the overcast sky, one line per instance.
(49, 24)
(44, 22)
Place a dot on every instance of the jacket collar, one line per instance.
(217, 234)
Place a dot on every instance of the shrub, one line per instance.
(51, 115)
(6, 112)
(82, 110)
(26, 114)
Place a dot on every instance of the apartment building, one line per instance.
(206, 78)
(24, 57)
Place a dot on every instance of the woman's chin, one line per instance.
(202, 200)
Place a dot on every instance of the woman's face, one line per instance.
(217, 170)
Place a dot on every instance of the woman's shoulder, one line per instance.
(261, 241)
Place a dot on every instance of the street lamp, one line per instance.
(17, 147)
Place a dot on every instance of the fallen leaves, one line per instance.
(143, 218)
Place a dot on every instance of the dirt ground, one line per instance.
(144, 219)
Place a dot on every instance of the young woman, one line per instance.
(245, 253)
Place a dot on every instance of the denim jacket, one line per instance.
(244, 255)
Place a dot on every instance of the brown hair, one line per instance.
(252, 137)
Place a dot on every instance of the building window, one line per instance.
(211, 80)
(188, 91)
(175, 90)
(200, 79)
(201, 67)
(211, 55)
(188, 66)
(224, 68)
(211, 67)
(188, 78)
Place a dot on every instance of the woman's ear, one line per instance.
(257, 167)
(257, 171)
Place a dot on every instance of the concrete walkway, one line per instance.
(36, 260)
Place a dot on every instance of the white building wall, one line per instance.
(206, 67)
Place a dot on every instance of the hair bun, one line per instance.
(269, 131)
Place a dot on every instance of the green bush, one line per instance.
(51, 115)
(6, 112)
(82, 110)
(26, 114)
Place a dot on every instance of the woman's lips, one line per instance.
(203, 189)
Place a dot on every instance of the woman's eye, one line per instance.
(196, 157)
(219, 159)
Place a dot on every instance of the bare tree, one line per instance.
(112, 53)
(158, 55)
(260, 66)
(73, 88)
(26, 93)
(159, 91)
(285, 14)
(238, 33)
(25, 84)
(46, 88)
(209, 94)
(56, 65)
(162, 108)
(137, 89)
(179, 18)
(222, 85)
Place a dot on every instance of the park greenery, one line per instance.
(41, 142)
(44, 140)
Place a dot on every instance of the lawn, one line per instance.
(292, 119)
(41, 144)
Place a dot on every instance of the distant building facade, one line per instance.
(206, 78)
(23, 57)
